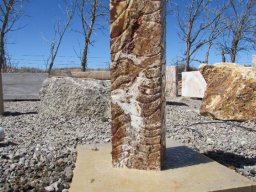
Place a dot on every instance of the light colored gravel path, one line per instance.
(38, 154)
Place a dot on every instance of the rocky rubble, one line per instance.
(38, 153)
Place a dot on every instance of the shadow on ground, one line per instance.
(232, 123)
(7, 113)
(230, 160)
(8, 143)
(176, 103)
(182, 156)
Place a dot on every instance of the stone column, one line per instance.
(138, 83)
(171, 81)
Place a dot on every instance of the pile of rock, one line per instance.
(73, 97)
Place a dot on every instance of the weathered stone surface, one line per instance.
(138, 83)
(231, 92)
(171, 81)
(193, 84)
(72, 97)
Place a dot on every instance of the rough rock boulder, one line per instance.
(231, 92)
(73, 97)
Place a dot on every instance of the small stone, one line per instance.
(90, 137)
(1, 134)
(12, 167)
(68, 174)
(253, 171)
(53, 186)
(243, 142)
(209, 141)
(49, 188)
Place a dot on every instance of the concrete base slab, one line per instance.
(184, 171)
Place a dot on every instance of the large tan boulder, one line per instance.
(230, 93)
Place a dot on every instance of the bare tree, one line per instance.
(59, 32)
(89, 12)
(216, 27)
(240, 21)
(223, 58)
(10, 12)
(194, 25)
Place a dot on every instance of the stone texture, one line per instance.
(72, 97)
(138, 83)
(171, 81)
(193, 84)
(231, 92)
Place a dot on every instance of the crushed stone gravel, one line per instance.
(38, 153)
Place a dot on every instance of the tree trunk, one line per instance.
(84, 58)
(2, 61)
(1, 96)
(186, 68)
(208, 53)
(50, 67)
(187, 60)
(88, 35)
(223, 58)
(9, 7)
(2, 54)
(1, 84)
(233, 57)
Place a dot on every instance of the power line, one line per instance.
(63, 56)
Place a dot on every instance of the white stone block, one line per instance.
(193, 84)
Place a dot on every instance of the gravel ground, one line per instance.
(38, 154)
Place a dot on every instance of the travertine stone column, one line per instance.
(138, 83)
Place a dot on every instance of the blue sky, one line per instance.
(30, 46)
